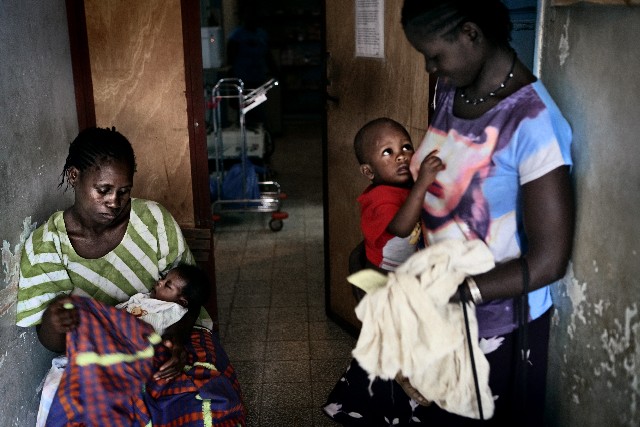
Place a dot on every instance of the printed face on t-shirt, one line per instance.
(464, 159)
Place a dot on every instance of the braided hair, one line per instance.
(93, 146)
(431, 16)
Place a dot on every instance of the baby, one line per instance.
(183, 288)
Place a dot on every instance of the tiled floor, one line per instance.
(287, 353)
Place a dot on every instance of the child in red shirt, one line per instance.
(392, 204)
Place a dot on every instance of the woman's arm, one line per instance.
(549, 225)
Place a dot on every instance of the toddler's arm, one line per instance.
(407, 216)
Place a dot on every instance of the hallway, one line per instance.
(271, 295)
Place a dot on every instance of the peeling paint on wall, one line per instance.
(614, 358)
(563, 46)
(11, 266)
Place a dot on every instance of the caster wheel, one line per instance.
(276, 224)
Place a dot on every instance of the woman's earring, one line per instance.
(71, 179)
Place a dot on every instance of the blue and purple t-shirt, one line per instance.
(488, 159)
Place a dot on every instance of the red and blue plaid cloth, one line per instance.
(118, 390)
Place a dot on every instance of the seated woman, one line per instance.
(110, 246)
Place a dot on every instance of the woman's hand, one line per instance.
(64, 316)
(174, 366)
(59, 318)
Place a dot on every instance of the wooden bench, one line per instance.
(200, 241)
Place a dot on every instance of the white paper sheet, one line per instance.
(370, 28)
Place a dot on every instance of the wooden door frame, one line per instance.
(81, 63)
(85, 104)
(194, 83)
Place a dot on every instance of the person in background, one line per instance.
(249, 56)
(506, 150)
(109, 246)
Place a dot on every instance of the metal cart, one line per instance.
(229, 146)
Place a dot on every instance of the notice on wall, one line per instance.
(370, 28)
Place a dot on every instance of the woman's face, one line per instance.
(454, 57)
(102, 192)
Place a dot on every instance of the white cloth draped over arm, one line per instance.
(409, 325)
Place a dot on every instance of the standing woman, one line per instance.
(108, 246)
(506, 150)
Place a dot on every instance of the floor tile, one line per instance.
(286, 417)
(247, 332)
(288, 314)
(287, 371)
(251, 315)
(328, 370)
(246, 300)
(249, 372)
(289, 299)
(287, 350)
(287, 394)
(327, 330)
(245, 350)
(330, 349)
(284, 331)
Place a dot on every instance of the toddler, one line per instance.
(392, 204)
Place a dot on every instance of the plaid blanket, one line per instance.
(108, 380)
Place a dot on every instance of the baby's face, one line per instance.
(169, 288)
(388, 155)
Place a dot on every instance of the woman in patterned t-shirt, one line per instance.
(506, 150)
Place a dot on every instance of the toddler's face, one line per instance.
(169, 288)
(388, 156)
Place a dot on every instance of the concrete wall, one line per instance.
(590, 59)
(37, 123)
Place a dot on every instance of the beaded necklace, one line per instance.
(476, 101)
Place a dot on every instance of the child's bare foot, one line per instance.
(411, 391)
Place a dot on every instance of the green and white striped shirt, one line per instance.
(49, 266)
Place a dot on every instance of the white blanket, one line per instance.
(410, 326)
(159, 314)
